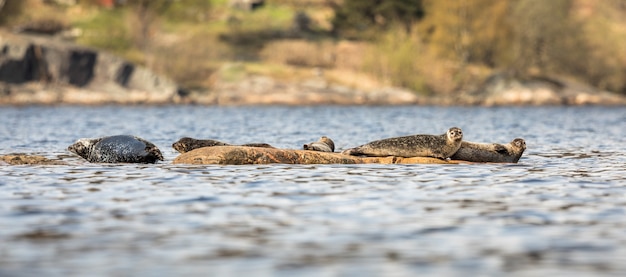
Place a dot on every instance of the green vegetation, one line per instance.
(106, 30)
(429, 46)
(364, 19)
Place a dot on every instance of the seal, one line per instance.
(491, 152)
(324, 144)
(187, 144)
(116, 149)
(436, 146)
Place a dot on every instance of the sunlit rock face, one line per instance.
(68, 73)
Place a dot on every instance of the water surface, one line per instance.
(561, 210)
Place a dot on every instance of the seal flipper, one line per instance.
(500, 149)
(153, 153)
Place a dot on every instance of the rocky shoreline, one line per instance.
(261, 90)
(43, 71)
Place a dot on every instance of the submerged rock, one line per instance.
(23, 159)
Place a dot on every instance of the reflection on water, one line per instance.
(560, 210)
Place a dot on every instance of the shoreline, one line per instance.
(36, 70)
(298, 94)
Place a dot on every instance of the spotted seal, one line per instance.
(491, 152)
(324, 144)
(187, 144)
(437, 146)
(116, 149)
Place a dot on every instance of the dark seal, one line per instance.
(116, 149)
(436, 146)
(491, 152)
(187, 144)
(324, 144)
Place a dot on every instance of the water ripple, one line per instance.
(560, 210)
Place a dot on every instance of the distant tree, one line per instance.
(547, 39)
(9, 9)
(359, 18)
(471, 31)
(189, 11)
(147, 13)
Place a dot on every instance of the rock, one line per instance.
(43, 26)
(315, 90)
(503, 89)
(74, 74)
(238, 155)
(21, 159)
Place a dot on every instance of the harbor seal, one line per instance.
(491, 152)
(324, 144)
(116, 149)
(436, 146)
(187, 144)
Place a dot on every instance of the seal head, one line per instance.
(83, 147)
(116, 149)
(517, 148)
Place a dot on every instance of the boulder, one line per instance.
(84, 74)
(239, 155)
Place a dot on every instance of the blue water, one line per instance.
(560, 211)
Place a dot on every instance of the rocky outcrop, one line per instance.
(316, 89)
(503, 89)
(32, 66)
(238, 155)
(263, 90)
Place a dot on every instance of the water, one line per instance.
(561, 210)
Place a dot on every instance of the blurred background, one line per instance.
(426, 46)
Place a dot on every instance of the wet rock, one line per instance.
(238, 155)
(21, 159)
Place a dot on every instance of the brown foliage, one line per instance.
(532, 37)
